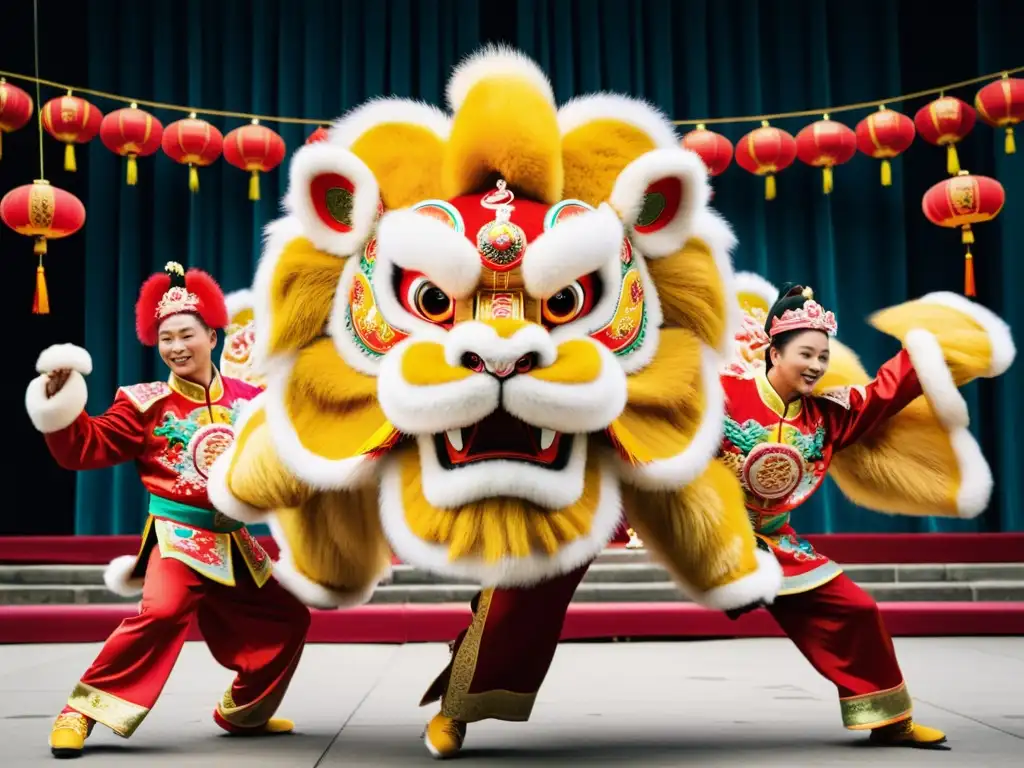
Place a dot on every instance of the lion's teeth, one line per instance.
(547, 437)
(455, 438)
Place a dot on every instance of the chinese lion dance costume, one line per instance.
(485, 335)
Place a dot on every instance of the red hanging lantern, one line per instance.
(883, 135)
(71, 120)
(131, 133)
(713, 148)
(192, 142)
(944, 122)
(961, 201)
(15, 110)
(320, 134)
(1001, 105)
(825, 144)
(43, 212)
(764, 152)
(254, 148)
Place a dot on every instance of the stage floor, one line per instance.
(709, 703)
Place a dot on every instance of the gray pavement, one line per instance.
(702, 703)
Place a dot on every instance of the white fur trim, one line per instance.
(627, 196)
(763, 584)
(58, 356)
(276, 237)
(308, 162)
(386, 110)
(52, 414)
(950, 409)
(613, 106)
(751, 282)
(217, 488)
(118, 576)
(683, 468)
(574, 408)
(338, 330)
(478, 337)
(238, 301)
(578, 246)
(317, 471)
(495, 61)
(309, 592)
(417, 410)
(552, 489)
(507, 572)
(421, 243)
(1004, 351)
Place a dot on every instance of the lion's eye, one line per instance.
(571, 302)
(424, 299)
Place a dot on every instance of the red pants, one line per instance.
(499, 662)
(258, 633)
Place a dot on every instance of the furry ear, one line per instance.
(601, 135)
(505, 123)
(402, 142)
(334, 196)
(659, 194)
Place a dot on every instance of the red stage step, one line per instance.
(441, 623)
(845, 548)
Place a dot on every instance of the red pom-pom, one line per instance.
(146, 323)
(211, 307)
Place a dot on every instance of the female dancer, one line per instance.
(193, 560)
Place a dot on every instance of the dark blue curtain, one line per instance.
(862, 248)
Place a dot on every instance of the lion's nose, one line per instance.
(500, 369)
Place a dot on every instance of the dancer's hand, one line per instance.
(55, 381)
(735, 613)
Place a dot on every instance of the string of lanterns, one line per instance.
(45, 212)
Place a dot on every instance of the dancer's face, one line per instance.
(186, 346)
(799, 361)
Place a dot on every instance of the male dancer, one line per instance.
(193, 561)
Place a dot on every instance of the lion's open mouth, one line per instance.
(501, 436)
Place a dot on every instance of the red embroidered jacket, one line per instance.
(173, 431)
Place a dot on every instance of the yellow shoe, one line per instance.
(279, 725)
(444, 736)
(67, 738)
(907, 733)
(274, 726)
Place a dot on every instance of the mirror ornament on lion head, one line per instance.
(485, 335)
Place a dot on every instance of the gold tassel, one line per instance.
(41, 301)
(969, 288)
(886, 173)
(69, 158)
(967, 235)
(769, 187)
(952, 160)
(254, 186)
(826, 179)
(1011, 145)
(133, 171)
(193, 178)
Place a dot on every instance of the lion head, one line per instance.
(499, 315)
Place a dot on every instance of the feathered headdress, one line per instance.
(175, 291)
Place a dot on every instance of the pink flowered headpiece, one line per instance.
(810, 317)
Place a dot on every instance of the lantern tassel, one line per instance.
(969, 287)
(133, 171)
(41, 300)
(826, 179)
(769, 187)
(193, 178)
(1011, 145)
(886, 173)
(69, 158)
(952, 160)
(254, 186)
(967, 235)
